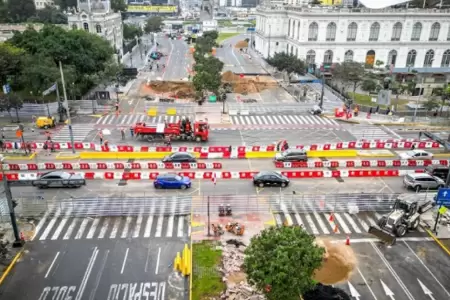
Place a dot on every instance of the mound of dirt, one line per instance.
(241, 44)
(339, 263)
(176, 89)
(248, 84)
(229, 76)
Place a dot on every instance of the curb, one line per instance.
(11, 265)
(443, 247)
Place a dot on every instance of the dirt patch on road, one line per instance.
(171, 89)
(241, 44)
(248, 84)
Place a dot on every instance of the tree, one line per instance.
(431, 104)
(153, 24)
(21, 10)
(369, 85)
(130, 32)
(49, 15)
(352, 73)
(283, 259)
(203, 45)
(315, 2)
(118, 5)
(10, 62)
(13, 101)
(207, 75)
(65, 4)
(288, 63)
(213, 35)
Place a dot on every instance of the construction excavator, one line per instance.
(404, 216)
(235, 228)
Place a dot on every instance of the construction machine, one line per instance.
(235, 228)
(404, 216)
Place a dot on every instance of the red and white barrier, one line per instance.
(110, 166)
(224, 174)
(361, 144)
(362, 163)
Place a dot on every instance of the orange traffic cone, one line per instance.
(331, 218)
(347, 241)
(22, 237)
(336, 229)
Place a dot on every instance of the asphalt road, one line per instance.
(405, 271)
(109, 269)
(178, 60)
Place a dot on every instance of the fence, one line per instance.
(90, 106)
(120, 205)
(262, 109)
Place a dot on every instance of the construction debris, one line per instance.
(241, 44)
(174, 89)
(248, 84)
(233, 276)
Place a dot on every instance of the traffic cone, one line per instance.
(347, 241)
(336, 229)
(22, 237)
(331, 218)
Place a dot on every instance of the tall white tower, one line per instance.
(94, 6)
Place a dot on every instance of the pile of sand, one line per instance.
(339, 263)
(248, 84)
(241, 44)
(174, 89)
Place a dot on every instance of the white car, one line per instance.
(416, 155)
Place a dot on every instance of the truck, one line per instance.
(197, 131)
(403, 217)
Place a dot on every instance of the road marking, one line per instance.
(311, 224)
(124, 260)
(40, 224)
(50, 225)
(94, 225)
(137, 228)
(99, 275)
(61, 225)
(170, 227)
(115, 228)
(126, 227)
(159, 226)
(104, 228)
(87, 274)
(350, 220)
(51, 266)
(157, 261)
(148, 227)
(82, 229)
(342, 223)
(70, 229)
(285, 211)
(180, 226)
(367, 284)
(321, 223)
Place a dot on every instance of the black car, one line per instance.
(292, 155)
(59, 179)
(180, 157)
(270, 178)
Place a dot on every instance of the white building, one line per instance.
(40, 4)
(403, 39)
(95, 16)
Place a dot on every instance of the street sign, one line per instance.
(212, 98)
(443, 196)
(251, 29)
(311, 81)
(6, 89)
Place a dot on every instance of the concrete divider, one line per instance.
(268, 154)
(375, 153)
(122, 155)
(332, 153)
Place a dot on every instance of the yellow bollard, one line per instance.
(177, 263)
(152, 112)
(171, 111)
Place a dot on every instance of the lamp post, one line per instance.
(66, 104)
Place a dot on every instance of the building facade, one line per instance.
(401, 39)
(99, 19)
(40, 4)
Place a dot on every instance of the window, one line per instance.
(313, 32)
(411, 58)
(328, 57)
(351, 31)
(311, 57)
(348, 57)
(429, 57)
(98, 28)
(396, 32)
(446, 59)
(392, 57)
(289, 28)
(298, 30)
(74, 26)
(416, 32)
(434, 32)
(331, 32)
(86, 26)
(374, 32)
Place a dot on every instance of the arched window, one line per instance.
(98, 28)
(313, 31)
(446, 59)
(374, 32)
(397, 32)
(434, 32)
(311, 57)
(331, 32)
(348, 57)
(392, 57)
(328, 57)
(351, 31)
(86, 26)
(411, 58)
(293, 29)
(416, 32)
(429, 57)
(74, 27)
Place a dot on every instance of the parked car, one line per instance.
(440, 171)
(416, 155)
(59, 179)
(270, 178)
(180, 157)
(292, 155)
(172, 181)
(419, 181)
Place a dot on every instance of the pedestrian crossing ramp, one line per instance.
(291, 120)
(167, 108)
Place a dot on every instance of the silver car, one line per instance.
(419, 181)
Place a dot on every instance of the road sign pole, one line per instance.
(437, 220)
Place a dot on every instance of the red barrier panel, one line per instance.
(335, 173)
(339, 145)
(197, 149)
(245, 175)
(78, 145)
(334, 164)
(365, 163)
(83, 166)
(226, 175)
(207, 175)
(152, 166)
(102, 166)
(188, 166)
(435, 145)
(396, 163)
(163, 149)
(217, 165)
(351, 145)
(318, 164)
(271, 148)
(109, 175)
(32, 166)
(313, 147)
(68, 166)
(14, 167)
(144, 148)
(168, 165)
(350, 164)
(119, 166)
(153, 175)
(135, 166)
(256, 148)
(365, 145)
(89, 175)
(381, 163)
(422, 145)
(12, 176)
(241, 149)
(241, 155)
(50, 166)
(412, 163)
(191, 175)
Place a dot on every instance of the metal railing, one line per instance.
(260, 108)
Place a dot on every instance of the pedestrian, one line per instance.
(122, 132)
(413, 147)
(377, 109)
(132, 132)
(46, 149)
(52, 146)
(117, 106)
(100, 136)
(388, 110)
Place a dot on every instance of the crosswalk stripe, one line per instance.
(126, 227)
(180, 226)
(159, 226)
(342, 223)
(352, 223)
(104, 228)
(282, 119)
(311, 224)
(115, 229)
(70, 229)
(137, 229)
(50, 225)
(321, 223)
(61, 225)
(130, 119)
(94, 225)
(148, 227)
(332, 224)
(363, 224)
(82, 229)
(286, 213)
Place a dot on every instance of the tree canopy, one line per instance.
(30, 60)
(118, 5)
(131, 31)
(49, 15)
(153, 24)
(281, 261)
(287, 62)
(64, 4)
(350, 73)
(19, 11)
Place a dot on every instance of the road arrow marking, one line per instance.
(353, 292)
(387, 290)
(426, 291)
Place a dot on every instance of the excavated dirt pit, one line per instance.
(171, 89)
(248, 84)
(241, 44)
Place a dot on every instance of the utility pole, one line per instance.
(69, 121)
(18, 242)
(323, 91)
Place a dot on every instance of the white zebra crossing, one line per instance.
(128, 120)
(369, 132)
(80, 132)
(283, 120)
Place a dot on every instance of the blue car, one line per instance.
(172, 181)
